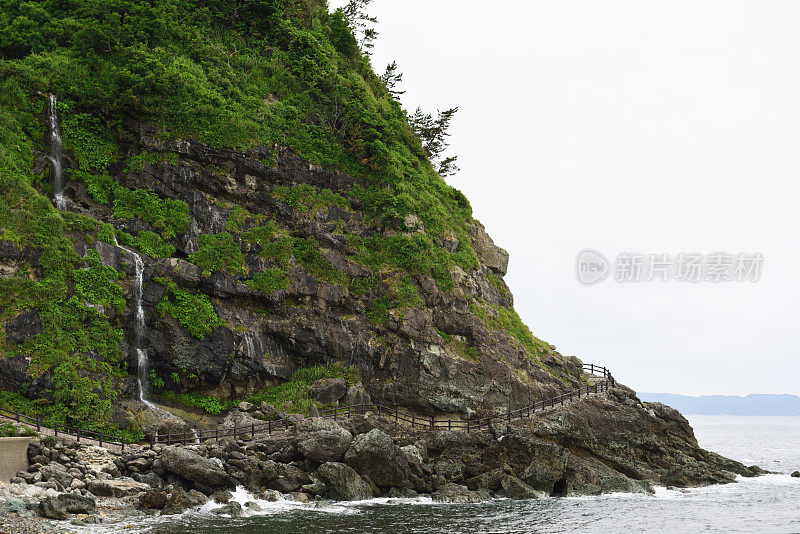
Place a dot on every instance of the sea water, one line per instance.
(767, 504)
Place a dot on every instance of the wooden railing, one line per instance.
(416, 421)
(78, 433)
(386, 412)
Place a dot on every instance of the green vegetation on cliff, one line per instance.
(242, 74)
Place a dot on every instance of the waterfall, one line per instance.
(138, 331)
(138, 337)
(56, 155)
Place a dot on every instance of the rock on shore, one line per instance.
(586, 448)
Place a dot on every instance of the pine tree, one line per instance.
(391, 78)
(360, 21)
(433, 135)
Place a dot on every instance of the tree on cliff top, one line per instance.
(433, 134)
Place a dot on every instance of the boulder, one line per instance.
(67, 503)
(233, 509)
(153, 500)
(414, 458)
(245, 406)
(57, 472)
(456, 493)
(223, 497)
(375, 455)
(268, 409)
(357, 395)
(343, 483)
(490, 480)
(115, 487)
(313, 411)
(180, 501)
(52, 508)
(194, 467)
(796, 474)
(290, 479)
(514, 488)
(329, 390)
(322, 440)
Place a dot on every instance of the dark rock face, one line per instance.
(343, 483)
(23, 326)
(375, 455)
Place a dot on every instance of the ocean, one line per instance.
(767, 504)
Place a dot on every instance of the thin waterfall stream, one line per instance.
(56, 155)
(138, 331)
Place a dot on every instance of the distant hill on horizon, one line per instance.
(754, 404)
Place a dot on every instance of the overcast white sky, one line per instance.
(627, 126)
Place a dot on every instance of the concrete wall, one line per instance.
(13, 457)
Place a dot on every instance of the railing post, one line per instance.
(431, 422)
(78, 434)
(253, 429)
(38, 422)
(100, 440)
(269, 427)
(413, 422)
(122, 442)
(396, 415)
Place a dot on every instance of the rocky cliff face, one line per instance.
(439, 355)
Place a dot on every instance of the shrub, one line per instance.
(219, 252)
(193, 311)
(269, 281)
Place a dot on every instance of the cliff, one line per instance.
(227, 205)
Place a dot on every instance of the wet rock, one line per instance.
(796, 474)
(322, 440)
(329, 390)
(343, 483)
(514, 488)
(456, 493)
(375, 455)
(299, 496)
(223, 497)
(233, 509)
(194, 467)
(180, 501)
